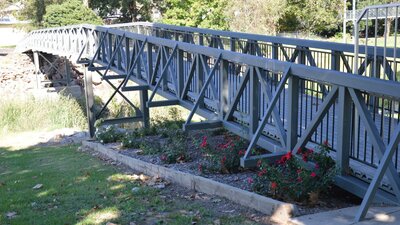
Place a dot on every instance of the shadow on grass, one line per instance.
(80, 189)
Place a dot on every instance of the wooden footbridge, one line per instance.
(279, 93)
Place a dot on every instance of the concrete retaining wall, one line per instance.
(279, 211)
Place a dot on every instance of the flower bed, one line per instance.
(215, 154)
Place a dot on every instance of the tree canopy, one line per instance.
(128, 10)
(68, 13)
(257, 16)
(196, 13)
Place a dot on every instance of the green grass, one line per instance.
(79, 189)
(40, 114)
(7, 46)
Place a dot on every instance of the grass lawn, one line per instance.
(80, 189)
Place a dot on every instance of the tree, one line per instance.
(34, 10)
(129, 10)
(196, 13)
(315, 16)
(257, 16)
(69, 13)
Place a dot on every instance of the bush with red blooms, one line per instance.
(297, 177)
(223, 156)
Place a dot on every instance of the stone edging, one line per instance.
(279, 211)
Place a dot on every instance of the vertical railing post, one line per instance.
(335, 60)
(275, 51)
(200, 77)
(180, 73)
(201, 39)
(254, 102)
(110, 47)
(149, 61)
(301, 58)
(232, 42)
(139, 64)
(344, 136)
(164, 84)
(293, 112)
(89, 96)
(224, 91)
(127, 56)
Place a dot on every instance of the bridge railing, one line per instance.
(278, 105)
(321, 54)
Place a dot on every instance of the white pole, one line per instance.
(344, 20)
(354, 20)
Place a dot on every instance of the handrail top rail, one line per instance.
(319, 44)
(368, 84)
(326, 45)
(364, 11)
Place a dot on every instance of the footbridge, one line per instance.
(281, 94)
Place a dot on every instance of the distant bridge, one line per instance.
(279, 93)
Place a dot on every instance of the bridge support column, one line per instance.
(36, 61)
(89, 96)
(144, 98)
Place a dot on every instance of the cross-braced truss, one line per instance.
(278, 105)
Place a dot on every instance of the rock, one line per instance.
(159, 186)
(135, 189)
(37, 186)
(143, 177)
(217, 222)
(216, 200)
(11, 215)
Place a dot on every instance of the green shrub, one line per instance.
(69, 13)
(150, 148)
(224, 156)
(108, 134)
(131, 140)
(175, 149)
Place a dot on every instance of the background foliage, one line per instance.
(68, 13)
(271, 17)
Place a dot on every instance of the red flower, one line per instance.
(313, 174)
(163, 157)
(299, 180)
(262, 172)
(316, 166)
(223, 160)
(298, 171)
(285, 158)
(242, 152)
(204, 142)
(326, 143)
(274, 185)
(250, 180)
(305, 159)
(259, 162)
(288, 155)
(200, 168)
